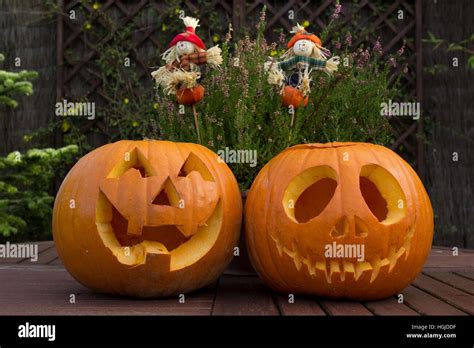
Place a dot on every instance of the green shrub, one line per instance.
(26, 183)
(13, 84)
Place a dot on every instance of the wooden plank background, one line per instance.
(28, 34)
(449, 103)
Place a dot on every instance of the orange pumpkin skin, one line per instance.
(311, 196)
(293, 96)
(147, 218)
(190, 96)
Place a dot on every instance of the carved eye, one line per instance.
(309, 193)
(382, 194)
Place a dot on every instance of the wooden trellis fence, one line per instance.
(77, 76)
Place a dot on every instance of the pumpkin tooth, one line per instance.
(400, 252)
(335, 269)
(407, 243)
(278, 245)
(342, 270)
(296, 256)
(376, 264)
(327, 270)
(311, 267)
(392, 257)
(362, 267)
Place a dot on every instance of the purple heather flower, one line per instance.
(282, 38)
(377, 47)
(336, 12)
(349, 39)
(337, 45)
(363, 58)
(170, 107)
(401, 50)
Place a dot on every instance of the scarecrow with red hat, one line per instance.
(185, 53)
(305, 53)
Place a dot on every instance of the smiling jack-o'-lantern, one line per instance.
(147, 218)
(341, 220)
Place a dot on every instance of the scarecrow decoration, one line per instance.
(181, 74)
(305, 53)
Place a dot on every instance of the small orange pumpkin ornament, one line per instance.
(190, 96)
(147, 218)
(293, 96)
(340, 220)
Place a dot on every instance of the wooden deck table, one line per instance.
(446, 287)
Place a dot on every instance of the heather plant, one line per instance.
(241, 110)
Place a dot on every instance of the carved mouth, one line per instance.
(341, 268)
(143, 213)
(181, 252)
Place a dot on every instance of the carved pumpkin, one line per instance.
(190, 96)
(293, 96)
(312, 207)
(147, 218)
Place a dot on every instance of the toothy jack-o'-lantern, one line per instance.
(147, 218)
(341, 220)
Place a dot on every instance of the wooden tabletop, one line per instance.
(446, 287)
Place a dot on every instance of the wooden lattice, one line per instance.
(78, 76)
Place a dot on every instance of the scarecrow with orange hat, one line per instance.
(185, 53)
(305, 53)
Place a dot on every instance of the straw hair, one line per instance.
(214, 57)
(190, 22)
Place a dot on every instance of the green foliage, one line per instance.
(463, 46)
(25, 185)
(14, 83)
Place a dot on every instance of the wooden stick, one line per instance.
(196, 123)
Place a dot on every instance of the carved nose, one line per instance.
(341, 228)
